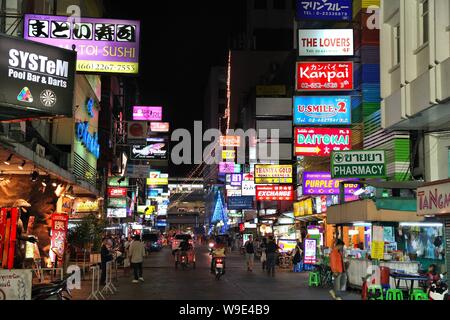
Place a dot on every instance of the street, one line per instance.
(164, 282)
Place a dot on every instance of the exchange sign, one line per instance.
(102, 45)
(320, 142)
(358, 164)
(322, 110)
(274, 193)
(324, 76)
(325, 42)
(320, 183)
(273, 174)
(329, 10)
(36, 80)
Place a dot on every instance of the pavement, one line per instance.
(164, 282)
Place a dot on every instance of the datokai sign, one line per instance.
(36, 80)
(324, 76)
(102, 45)
(322, 110)
(358, 164)
(320, 142)
(327, 10)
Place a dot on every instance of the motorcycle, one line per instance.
(56, 290)
(439, 289)
(219, 267)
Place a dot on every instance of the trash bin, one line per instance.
(385, 276)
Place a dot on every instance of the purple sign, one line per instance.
(147, 113)
(102, 45)
(229, 167)
(320, 183)
(235, 179)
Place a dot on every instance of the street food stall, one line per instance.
(374, 235)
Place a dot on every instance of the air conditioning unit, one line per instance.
(40, 150)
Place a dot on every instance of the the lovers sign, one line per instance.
(358, 164)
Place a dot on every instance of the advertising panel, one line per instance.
(234, 193)
(116, 213)
(36, 80)
(118, 182)
(159, 127)
(273, 174)
(248, 188)
(271, 91)
(325, 42)
(137, 130)
(320, 142)
(310, 252)
(137, 171)
(358, 164)
(228, 155)
(433, 199)
(234, 179)
(230, 141)
(239, 203)
(161, 181)
(275, 193)
(117, 192)
(141, 113)
(102, 45)
(322, 110)
(117, 202)
(229, 167)
(154, 151)
(60, 223)
(321, 183)
(16, 285)
(324, 76)
(326, 10)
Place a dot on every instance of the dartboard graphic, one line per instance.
(48, 98)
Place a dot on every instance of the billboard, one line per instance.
(228, 155)
(116, 213)
(322, 110)
(118, 182)
(117, 202)
(141, 113)
(273, 174)
(36, 80)
(433, 199)
(229, 167)
(321, 183)
(159, 127)
(239, 203)
(324, 76)
(117, 192)
(230, 141)
(358, 164)
(327, 10)
(325, 42)
(275, 193)
(154, 151)
(234, 179)
(320, 142)
(161, 181)
(102, 45)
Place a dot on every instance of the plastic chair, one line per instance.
(418, 294)
(314, 279)
(375, 292)
(394, 294)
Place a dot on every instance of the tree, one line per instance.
(88, 233)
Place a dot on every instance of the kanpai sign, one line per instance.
(274, 193)
(320, 142)
(324, 76)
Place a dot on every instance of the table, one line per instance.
(407, 277)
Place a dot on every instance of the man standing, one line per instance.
(137, 253)
(338, 268)
(271, 252)
(106, 256)
(250, 253)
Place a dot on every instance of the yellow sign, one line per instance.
(228, 155)
(272, 90)
(106, 67)
(378, 250)
(303, 208)
(157, 181)
(273, 174)
(86, 206)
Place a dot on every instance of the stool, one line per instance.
(394, 294)
(314, 279)
(375, 293)
(418, 294)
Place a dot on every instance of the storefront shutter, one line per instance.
(447, 246)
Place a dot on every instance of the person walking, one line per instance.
(297, 254)
(338, 268)
(271, 252)
(250, 253)
(137, 253)
(263, 247)
(105, 256)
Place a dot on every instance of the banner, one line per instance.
(320, 183)
(325, 42)
(154, 151)
(324, 76)
(16, 284)
(60, 224)
(320, 142)
(36, 80)
(310, 252)
(327, 10)
(141, 113)
(358, 164)
(102, 45)
(273, 174)
(274, 193)
(322, 110)
(239, 203)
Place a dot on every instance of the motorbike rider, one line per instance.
(432, 275)
(184, 247)
(218, 251)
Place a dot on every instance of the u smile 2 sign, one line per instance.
(322, 110)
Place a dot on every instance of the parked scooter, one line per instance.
(56, 290)
(439, 289)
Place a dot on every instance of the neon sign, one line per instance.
(90, 141)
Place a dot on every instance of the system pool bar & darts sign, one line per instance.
(320, 142)
(36, 80)
(102, 45)
(358, 164)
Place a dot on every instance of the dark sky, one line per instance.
(181, 41)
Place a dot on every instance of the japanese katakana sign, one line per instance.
(331, 10)
(102, 45)
(324, 76)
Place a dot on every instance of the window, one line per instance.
(396, 45)
(423, 22)
(261, 4)
(279, 4)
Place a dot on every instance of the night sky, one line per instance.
(181, 41)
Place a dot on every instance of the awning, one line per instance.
(367, 211)
(312, 218)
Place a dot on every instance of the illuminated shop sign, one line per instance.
(327, 10)
(324, 76)
(90, 141)
(322, 110)
(141, 113)
(325, 42)
(320, 142)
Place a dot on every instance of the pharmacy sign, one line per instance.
(358, 164)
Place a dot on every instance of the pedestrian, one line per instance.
(337, 268)
(263, 253)
(105, 256)
(249, 253)
(137, 253)
(271, 252)
(297, 254)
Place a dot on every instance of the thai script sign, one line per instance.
(320, 142)
(358, 164)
